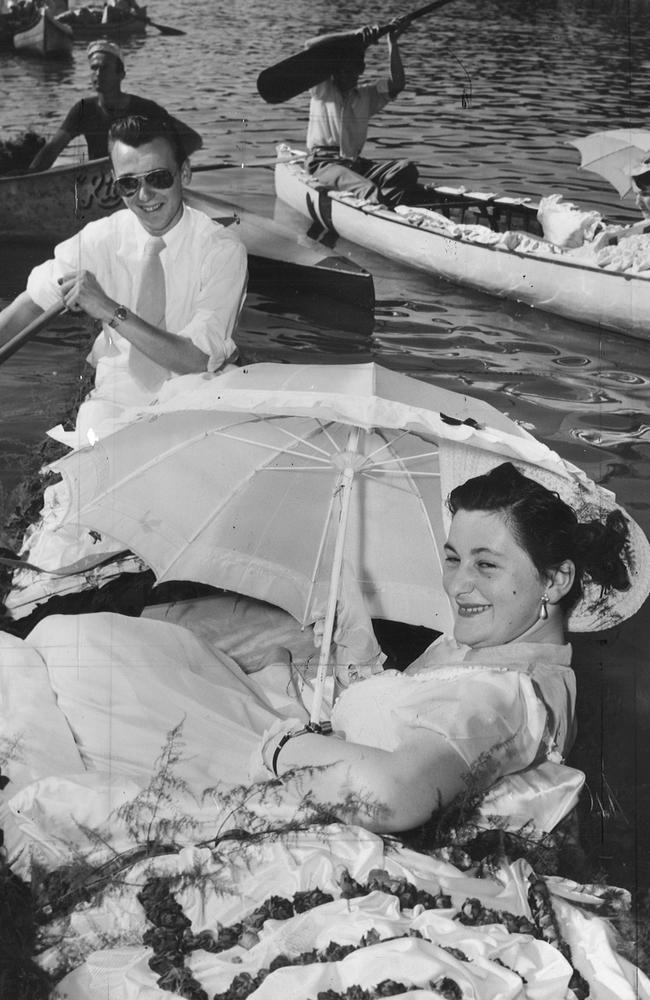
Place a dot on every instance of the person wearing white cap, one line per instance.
(640, 175)
(93, 116)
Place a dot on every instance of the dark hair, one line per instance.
(136, 130)
(549, 530)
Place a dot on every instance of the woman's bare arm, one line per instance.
(384, 791)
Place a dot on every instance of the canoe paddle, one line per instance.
(164, 29)
(298, 73)
(262, 161)
(30, 331)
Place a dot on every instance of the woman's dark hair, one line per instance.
(549, 530)
(136, 130)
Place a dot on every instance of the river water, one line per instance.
(494, 91)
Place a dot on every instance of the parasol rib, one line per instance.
(344, 488)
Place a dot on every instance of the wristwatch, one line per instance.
(118, 316)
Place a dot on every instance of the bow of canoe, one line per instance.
(276, 254)
(53, 204)
(47, 37)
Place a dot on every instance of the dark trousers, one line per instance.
(385, 183)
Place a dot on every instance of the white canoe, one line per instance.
(48, 37)
(542, 276)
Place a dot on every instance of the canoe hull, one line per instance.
(52, 205)
(278, 260)
(85, 28)
(586, 294)
(47, 38)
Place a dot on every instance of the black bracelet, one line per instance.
(323, 728)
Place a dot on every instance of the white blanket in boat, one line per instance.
(85, 704)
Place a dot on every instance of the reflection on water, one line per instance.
(539, 74)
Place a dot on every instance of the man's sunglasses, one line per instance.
(129, 184)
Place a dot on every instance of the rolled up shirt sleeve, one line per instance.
(218, 302)
(205, 269)
(42, 284)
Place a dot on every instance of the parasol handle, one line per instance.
(344, 488)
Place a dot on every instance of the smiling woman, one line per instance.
(520, 566)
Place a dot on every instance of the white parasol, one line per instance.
(613, 154)
(265, 479)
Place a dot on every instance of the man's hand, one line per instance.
(81, 291)
(369, 34)
(397, 27)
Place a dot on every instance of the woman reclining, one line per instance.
(519, 568)
(500, 694)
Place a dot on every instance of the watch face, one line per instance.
(119, 315)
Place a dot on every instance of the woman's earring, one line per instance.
(543, 611)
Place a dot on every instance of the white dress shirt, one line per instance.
(205, 285)
(337, 119)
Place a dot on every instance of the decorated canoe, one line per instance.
(46, 37)
(51, 205)
(91, 22)
(490, 243)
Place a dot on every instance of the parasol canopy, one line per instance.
(613, 154)
(266, 479)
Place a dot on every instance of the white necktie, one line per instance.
(150, 306)
(151, 302)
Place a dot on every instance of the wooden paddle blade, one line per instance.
(164, 29)
(298, 73)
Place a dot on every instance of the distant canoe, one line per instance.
(47, 37)
(86, 23)
(53, 204)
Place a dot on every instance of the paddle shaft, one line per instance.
(30, 331)
(164, 29)
(298, 73)
(262, 161)
(269, 161)
(385, 29)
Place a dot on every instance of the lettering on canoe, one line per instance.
(94, 192)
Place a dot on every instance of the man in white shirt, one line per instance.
(339, 115)
(198, 276)
(100, 269)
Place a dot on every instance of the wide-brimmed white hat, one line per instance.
(595, 611)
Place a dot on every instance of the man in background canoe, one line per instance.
(640, 176)
(166, 283)
(93, 116)
(339, 114)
